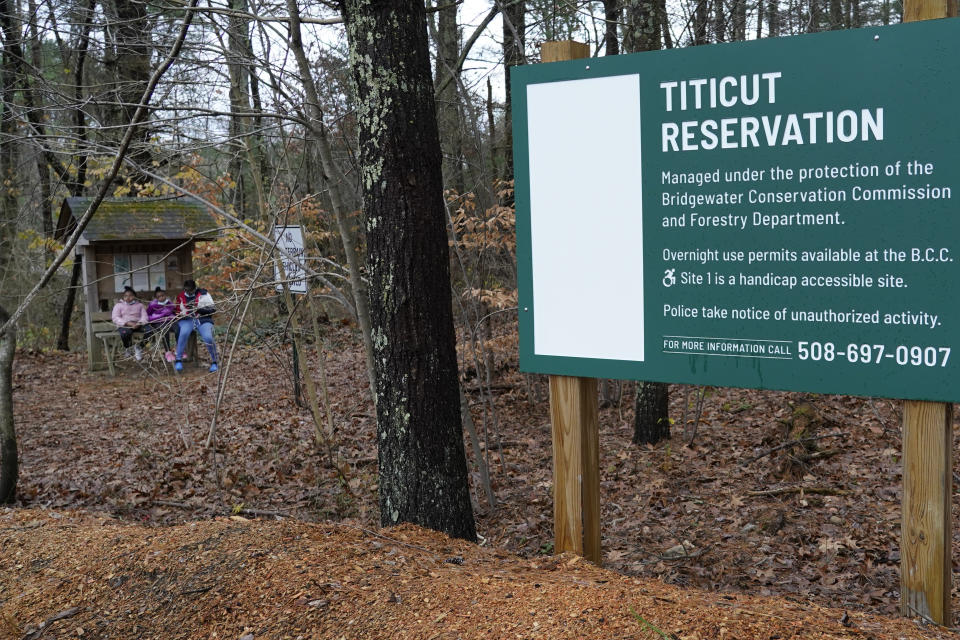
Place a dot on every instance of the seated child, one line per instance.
(129, 315)
(160, 318)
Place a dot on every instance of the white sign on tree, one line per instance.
(290, 242)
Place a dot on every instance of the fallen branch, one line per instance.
(738, 609)
(683, 558)
(924, 617)
(178, 505)
(793, 443)
(818, 455)
(250, 512)
(66, 613)
(490, 387)
(371, 532)
(268, 514)
(26, 527)
(819, 491)
(500, 446)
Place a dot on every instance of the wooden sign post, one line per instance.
(925, 529)
(574, 416)
(926, 519)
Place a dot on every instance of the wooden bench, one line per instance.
(104, 330)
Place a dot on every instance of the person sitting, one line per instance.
(129, 315)
(195, 310)
(160, 319)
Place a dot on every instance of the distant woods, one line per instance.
(263, 115)
(258, 112)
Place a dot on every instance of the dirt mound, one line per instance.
(72, 574)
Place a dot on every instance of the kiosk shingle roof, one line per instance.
(139, 219)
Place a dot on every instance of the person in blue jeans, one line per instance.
(195, 311)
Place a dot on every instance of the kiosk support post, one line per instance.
(925, 529)
(926, 519)
(574, 416)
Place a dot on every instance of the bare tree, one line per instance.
(76, 185)
(336, 182)
(514, 53)
(611, 16)
(448, 108)
(10, 63)
(643, 33)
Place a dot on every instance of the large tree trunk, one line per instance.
(423, 472)
(642, 29)
(9, 467)
(650, 422)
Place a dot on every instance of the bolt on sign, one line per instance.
(290, 240)
(772, 214)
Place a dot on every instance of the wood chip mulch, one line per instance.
(79, 575)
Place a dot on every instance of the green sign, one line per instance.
(774, 214)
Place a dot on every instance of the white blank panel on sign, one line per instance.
(586, 218)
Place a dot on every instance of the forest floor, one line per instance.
(128, 525)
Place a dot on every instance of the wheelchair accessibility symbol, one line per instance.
(669, 279)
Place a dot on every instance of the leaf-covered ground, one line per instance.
(818, 526)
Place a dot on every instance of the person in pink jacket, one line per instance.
(129, 315)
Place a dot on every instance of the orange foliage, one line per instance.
(493, 298)
(232, 260)
(486, 242)
(492, 231)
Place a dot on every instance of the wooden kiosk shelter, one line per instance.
(138, 242)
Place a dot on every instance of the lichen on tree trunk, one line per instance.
(423, 473)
